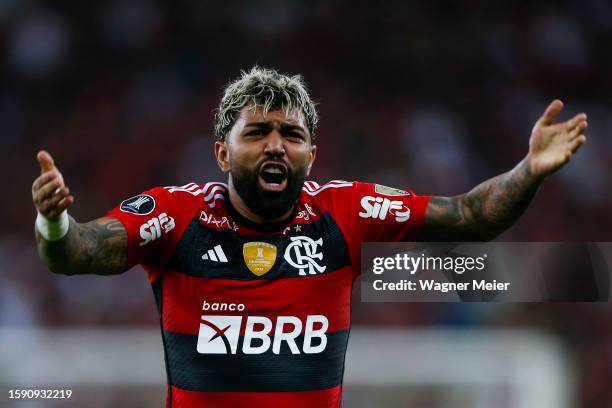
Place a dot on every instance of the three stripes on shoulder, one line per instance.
(312, 188)
(212, 191)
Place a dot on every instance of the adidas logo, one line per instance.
(216, 254)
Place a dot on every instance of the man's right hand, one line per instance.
(95, 247)
(49, 192)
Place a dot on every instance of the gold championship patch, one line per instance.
(259, 257)
(389, 191)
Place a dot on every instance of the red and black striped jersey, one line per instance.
(259, 315)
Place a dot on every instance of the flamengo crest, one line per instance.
(302, 254)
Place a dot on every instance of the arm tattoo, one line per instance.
(97, 247)
(484, 212)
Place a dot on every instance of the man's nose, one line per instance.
(275, 144)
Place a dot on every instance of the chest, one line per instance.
(302, 250)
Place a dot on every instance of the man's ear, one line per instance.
(313, 155)
(222, 155)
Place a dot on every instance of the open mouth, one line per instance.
(273, 176)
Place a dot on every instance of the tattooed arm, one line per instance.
(491, 207)
(485, 212)
(97, 247)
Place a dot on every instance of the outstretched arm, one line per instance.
(494, 205)
(96, 247)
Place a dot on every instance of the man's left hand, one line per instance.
(551, 144)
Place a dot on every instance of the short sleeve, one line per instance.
(153, 221)
(373, 213)
(386, 214)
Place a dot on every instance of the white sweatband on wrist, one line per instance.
(53, 230)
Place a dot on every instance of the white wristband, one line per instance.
(53, 230)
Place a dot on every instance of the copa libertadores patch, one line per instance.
(390, 191)
(142, 204)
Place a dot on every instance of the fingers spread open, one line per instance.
(575, 121)
(577, 130)
(576, 143)
(552, 111)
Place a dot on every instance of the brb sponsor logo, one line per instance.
(379, 207)
(221, 334)
(153, 229)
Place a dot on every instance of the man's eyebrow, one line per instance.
(284, 126)
(289, 127)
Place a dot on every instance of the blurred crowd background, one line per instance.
(431, 96)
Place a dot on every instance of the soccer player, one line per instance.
(253, 278)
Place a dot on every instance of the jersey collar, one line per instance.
(267, 227)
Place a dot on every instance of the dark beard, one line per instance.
(267, 204)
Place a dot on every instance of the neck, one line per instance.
(245, 212)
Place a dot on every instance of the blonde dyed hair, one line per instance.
(266, 89)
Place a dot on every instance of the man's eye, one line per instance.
(257, 132)
(295, 136)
